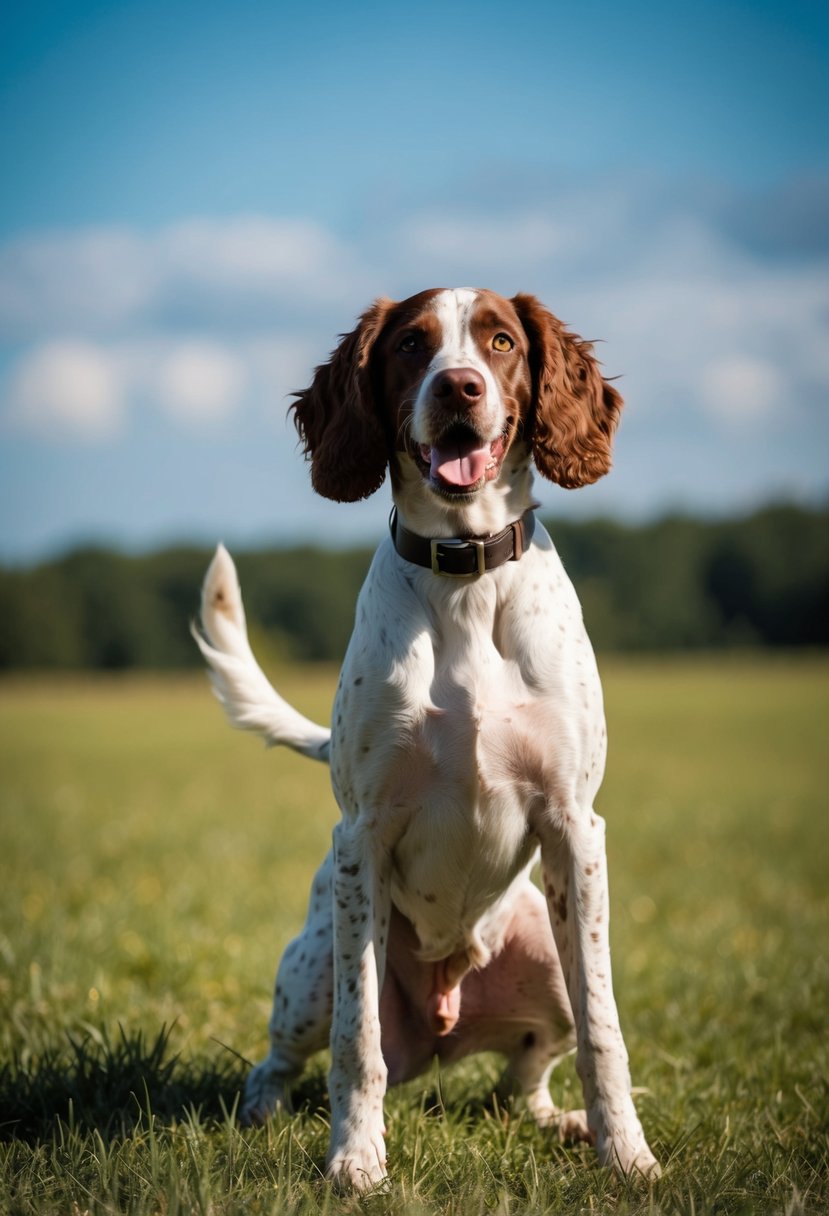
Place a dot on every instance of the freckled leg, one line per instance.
(357, 1080)
(303, 998)
(575, 880)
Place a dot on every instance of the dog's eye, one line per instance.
(409, 344)
(503, 343)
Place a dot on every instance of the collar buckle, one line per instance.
(440, 543)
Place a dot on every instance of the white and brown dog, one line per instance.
(468, 732)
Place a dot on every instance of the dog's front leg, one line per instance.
(357, 1081)
(574, 869)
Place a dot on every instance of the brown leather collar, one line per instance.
(461, 557)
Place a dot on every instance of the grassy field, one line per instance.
(153, 865)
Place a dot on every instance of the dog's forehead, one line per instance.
(456, 308)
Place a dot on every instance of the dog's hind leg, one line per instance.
(528, 968)
(303, 999)
(529, 1070)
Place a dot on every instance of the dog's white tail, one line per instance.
(249, 699)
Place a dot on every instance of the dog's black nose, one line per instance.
(463, 383)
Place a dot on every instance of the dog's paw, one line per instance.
(266, 1092)
(572, 1126)
(631, 1158)
(569, 1125)
(358, 1167)
(355, 1174)
(644, 1165)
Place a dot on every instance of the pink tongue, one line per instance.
(457, 467)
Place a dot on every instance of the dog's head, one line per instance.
(458, 386)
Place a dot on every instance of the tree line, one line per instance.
(675, 584)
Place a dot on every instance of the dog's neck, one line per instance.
(493, 508)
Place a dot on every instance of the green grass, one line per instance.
(153, 865)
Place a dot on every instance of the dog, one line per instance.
(468, 735)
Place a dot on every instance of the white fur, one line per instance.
(249, 699)
(468, 736)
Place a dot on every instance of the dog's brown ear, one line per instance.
(338, 420)
(576, 410)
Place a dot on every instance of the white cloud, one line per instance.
(200, 382)
(95, 279)
(741, 388)
(65, 389)
(253, 253)
(112, 280)
(86, 391)
(279, 367)
(704, 334)
(501, 244)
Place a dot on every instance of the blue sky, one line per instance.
(199, 198)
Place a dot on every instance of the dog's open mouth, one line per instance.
(459, 463)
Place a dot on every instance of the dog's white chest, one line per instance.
(450, 751)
